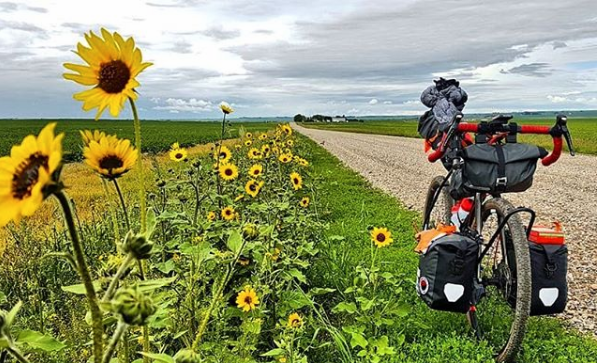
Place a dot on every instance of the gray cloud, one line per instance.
(8, 7)
(531, 70)
(220, 33)
(22, 26)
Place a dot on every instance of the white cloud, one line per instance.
(374, 101)
(176, 105)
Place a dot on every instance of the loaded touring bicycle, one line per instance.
(480, 255)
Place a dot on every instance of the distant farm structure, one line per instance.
(322, 118)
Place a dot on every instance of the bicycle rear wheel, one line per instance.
(506, 276)
(440, 211)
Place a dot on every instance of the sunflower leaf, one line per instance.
(235, 242)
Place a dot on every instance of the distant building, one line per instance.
(339, 119)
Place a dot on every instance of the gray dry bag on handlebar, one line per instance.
(500, 168)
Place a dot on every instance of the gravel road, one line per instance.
(565, 191)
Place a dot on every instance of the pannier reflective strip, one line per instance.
(453, 292)
(549, 295)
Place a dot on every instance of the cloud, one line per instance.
(531, 70)
(176, 105)
(373, 101)
(219, 33)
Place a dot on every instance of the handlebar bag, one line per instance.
(445, 278)
(500, 168)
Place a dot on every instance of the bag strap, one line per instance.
(502, 180)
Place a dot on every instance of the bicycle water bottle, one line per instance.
(460, 211)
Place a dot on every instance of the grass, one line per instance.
(352, 206)
(157, 135)
(583, 130)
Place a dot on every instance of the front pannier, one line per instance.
(500, 168)
(447, 272)
(549, 266)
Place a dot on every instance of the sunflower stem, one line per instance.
(219, 185)
(122, 203)
(111, 348)
(142, 202)
(83, 269)
(16, 353)
(125, 264)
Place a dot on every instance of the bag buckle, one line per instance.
(501, 182)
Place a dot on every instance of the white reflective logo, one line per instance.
(549, 295)
(453, 292)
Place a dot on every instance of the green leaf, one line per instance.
(10, 316)
(235, 242)
(37, 340)
(164, 358)
(151, 223)
(350, 308)
(320, 291)
(150, 285)
(79, 289)
(297, 275)
(274, 352)
(366, 304)
(401, 310)
(166, 267)
(358, 340)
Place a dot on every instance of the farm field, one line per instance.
(583, 130)
(157, 135)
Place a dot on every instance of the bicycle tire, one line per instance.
(448, 202)
(522, 269)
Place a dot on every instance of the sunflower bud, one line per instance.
(134, 306)
(187, 356)
(250, 231)
(138, 245)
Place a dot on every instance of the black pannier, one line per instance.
(500, 168)
(446, 273)
(549, 266)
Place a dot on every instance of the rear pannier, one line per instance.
(499, 168)
(447, 271)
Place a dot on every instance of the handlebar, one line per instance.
(557, 131)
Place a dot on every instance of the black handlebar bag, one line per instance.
(447, 270)
(498, 168)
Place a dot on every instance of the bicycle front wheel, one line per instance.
(437, 206)
(506, 276)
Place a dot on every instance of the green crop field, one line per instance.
(583, 130)
(157, 135)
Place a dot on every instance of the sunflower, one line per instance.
(247, 299)
(177, 153)
(225, 154)
(297, 181)
(249, 135)
(89, 136)
(25, 173)
(303, 162)
(228, 213)
(112, 65)
(381, 237)
(305, 202)
(226, 108)
(256, 170)
(295, 321)
(253, 187)
(228, 172)
(254, 153)
(285, 158)
(265, 149)
(248, 142)
(110, 157)
(263, 137)
(290, 143)
(286, 129)
(211, 216)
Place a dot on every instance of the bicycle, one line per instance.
(503, 278)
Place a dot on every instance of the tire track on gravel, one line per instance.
(565, 191)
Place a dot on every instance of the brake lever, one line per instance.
(562, 122)
(569, 141)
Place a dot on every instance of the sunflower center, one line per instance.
(381, 237)
(252, 187)
(178, 156)
(248, 300)
(113, 76)
(227, 212)
(295, 180)
(223, 155)
(27, 175)
(228, 172)
(111, 162)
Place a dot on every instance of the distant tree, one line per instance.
(318, 118)
(300, 118)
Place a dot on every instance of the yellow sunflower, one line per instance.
(112, 65)
(297, 180)
(226, 108)
(290, 143)
(25, 173)
(111, 158)
(254, 153)
(249, 135)
(285, 158)
(265, 149)
(286, 129)
(96, 135)
(295, 321)
(256, 170)
(248, 142)
(303, 162)
(225, 154)
(381, 237)
(305, 202)
(263, 137)
(253, 187)
(211, 216)
(177, 153)
(228, 172)
(247, 299)
(228, 213)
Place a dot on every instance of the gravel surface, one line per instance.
(565, 191)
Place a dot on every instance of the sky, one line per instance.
(277, 58)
